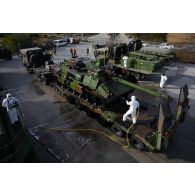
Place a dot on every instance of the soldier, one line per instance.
(71, 51)
(163, 80)
(125, 58)
(54, 49)
(134, 104)
(74, 53)
(10, 103)
(87, 51)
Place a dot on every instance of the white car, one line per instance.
(59, 42)
(166, 46)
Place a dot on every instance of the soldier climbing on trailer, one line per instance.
(134, 105)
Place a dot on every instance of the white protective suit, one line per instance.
(125, 58)
(10, 104)
(134, 104)
(162, 81)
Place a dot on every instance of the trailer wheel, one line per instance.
(133, 79)
(78, 104)
(27, 69)
(70, 99)
(138, 77)
(44, 81)
(118, 131)
(90, 113)
(164, 144)
(103, 122)
(136, 143)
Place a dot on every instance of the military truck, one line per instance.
(5, 53)
(33, 58)
(140, 64)
(104, 96)
(167, 55)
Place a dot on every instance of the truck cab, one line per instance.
(33, 58)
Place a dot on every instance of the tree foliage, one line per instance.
(17, 41)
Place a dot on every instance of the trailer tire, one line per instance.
(78, 105)
(90, 113)
(117, 131)
(136, 143)
(138, 77)
(44, 81)
(103, 122)
(27, 69)
(132, 79)
(70, 99)
(164, 144)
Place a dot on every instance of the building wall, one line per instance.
(181, 38)
(184, 46)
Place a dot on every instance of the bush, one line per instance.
(17, 41)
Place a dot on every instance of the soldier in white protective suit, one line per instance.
(163, 80)
(10, 103)
(134, 104)
(125, 59)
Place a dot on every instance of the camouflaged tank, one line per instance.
(93, 84)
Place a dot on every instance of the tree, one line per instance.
(17, 41)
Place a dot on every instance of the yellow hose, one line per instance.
(100, 132)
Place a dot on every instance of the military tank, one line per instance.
(95, 85)
(167, 55)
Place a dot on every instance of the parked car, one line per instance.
(60, 42)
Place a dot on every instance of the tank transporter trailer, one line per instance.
(103, 95)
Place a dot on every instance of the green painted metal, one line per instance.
(183, 102)
(95, 82)
(139, 87)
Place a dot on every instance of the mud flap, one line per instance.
(183, 102)
(164, 121)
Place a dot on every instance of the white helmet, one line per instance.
(133, 98)
(8, 95)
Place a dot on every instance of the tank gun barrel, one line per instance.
(144, 89)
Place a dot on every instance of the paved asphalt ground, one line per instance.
(43, 109)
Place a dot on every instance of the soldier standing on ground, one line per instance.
(163, 80)
(74, 53)
(54, 49)
(11, 104)
(71, 51)
(87, 51)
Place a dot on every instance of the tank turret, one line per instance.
(95, 85)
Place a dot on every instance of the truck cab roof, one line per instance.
(30, 49)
